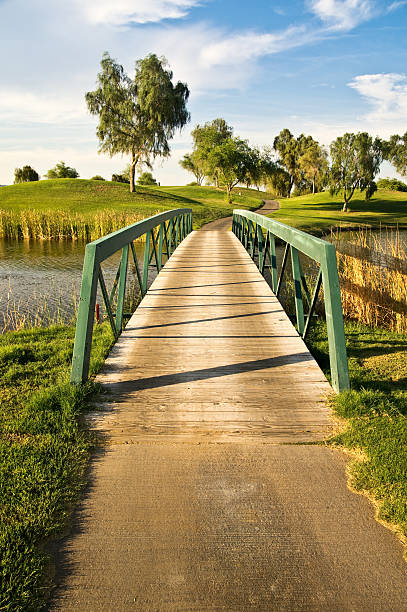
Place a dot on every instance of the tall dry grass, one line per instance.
(63, 225)
(373, 277)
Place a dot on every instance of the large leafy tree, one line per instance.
(289, 150)
(61, 170)
(228, 162)
(206, 138)
(395, 151)
(314, 163)
(26, 174)
(191, 163)
(139, 116)
(356, 160)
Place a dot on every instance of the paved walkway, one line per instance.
(199, 501)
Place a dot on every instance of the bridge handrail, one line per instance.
(248, 227)
(174, 225)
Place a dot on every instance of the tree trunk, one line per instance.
(228, 190)
(313, 186)
(345, 206)
(132, 171)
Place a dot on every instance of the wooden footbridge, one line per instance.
(199, 497)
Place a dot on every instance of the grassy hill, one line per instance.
(319, 212)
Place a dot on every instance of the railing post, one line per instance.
(86, 317)
(121, 292)
(273, 261)
(146, 262)
(299, 307)
(334, 321)
(160, 246)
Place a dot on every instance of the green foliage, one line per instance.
(138, 116)
(395, 150)
(392, 184)
(314, 164)
(192, 163)
(376, 414)
(228, 162)
(61, 170)
(146, 178)
(43, 453)
(304, 160)
(97, 177)
(356, 160)
(279, 182)
(206, 138)
(26, 174)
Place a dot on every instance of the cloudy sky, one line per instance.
(321, 67)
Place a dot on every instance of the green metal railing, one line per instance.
(259, 232)
(163, 234)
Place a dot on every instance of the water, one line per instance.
(41, 279)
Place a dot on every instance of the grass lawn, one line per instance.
(79, 196)
(375, 415)
(43, 453)
(317, 213)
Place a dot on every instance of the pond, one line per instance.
(40, 280)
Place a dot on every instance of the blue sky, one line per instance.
(321, 67)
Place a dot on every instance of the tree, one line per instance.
(314, 164)
(279, 182)
(138, 117)
(121, 178)
(288, 148)
(61, 170)
(395, 150)
(356, 160)
(97, 177)
(146, 178)
(228, 162)
(26, 174)
(206, 139)
(191, 163)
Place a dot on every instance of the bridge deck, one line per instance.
(211, 352)
(194, 505)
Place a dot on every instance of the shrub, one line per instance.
(391, 184)
(97, 177)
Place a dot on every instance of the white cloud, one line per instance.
(249, 46)
(387, 95)
(342, 15)
(396, 5)
(121, 12)
(28, 107)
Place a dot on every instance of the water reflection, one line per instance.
(42, 279)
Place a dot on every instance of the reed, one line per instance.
(62, 225)
(373, 277)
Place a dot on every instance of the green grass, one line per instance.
(317, 213)
(375, 413)
(43, 453)
(78, 196)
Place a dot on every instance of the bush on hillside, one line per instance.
(120, 178)
(391, 184)
(97, 177)
(61, 170)
(146, 178)
(26, 174)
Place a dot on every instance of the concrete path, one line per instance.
(226, 223)
(199, 501)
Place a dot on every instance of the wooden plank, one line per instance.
(211, 352)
